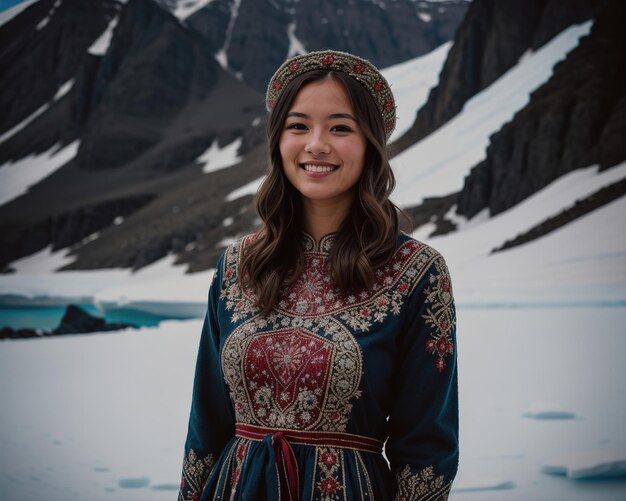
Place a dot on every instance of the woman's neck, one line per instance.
(322, 218)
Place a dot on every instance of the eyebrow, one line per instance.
(331, 116)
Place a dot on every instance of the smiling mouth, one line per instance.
(318, 168)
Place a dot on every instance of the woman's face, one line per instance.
(322, 147)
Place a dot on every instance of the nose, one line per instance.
(317, 144)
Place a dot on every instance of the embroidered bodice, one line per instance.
(326, 368)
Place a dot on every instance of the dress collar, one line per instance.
(323, 246)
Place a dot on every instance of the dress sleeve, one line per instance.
(423, 425)
(211, 420)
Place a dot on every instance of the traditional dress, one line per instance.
(298, 405)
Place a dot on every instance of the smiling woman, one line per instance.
(328, 332)
(322, 151)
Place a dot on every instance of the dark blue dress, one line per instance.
(298, 404)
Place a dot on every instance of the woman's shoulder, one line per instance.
(236, 244)
(418, 259)
(410, 246)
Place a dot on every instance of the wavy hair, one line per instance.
(365, 240)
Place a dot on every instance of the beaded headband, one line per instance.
(361, 70)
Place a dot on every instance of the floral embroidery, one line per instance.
(314, 294)
(423, 485)
(195, 472)
(329, 459)
(359, 68)
(327, 476)
(440, 314)
(287, 372)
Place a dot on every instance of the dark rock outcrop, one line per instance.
(154, 70)
(66, 229)
(75, 321)
(433, 210)
(576, 119)
(23, 333)
(78, 321)
(256, 37)
(37, 59)
(491, 39)
(582, 207)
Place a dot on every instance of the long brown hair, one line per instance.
(366, 239)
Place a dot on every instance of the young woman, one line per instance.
(329, 336)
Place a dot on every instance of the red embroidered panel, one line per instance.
(293, 377)
(287, 369)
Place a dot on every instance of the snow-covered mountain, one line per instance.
(141, 143)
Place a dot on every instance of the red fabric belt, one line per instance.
(286, 463)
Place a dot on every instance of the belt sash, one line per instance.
(286, 463)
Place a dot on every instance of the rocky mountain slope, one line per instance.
(146, 93)
(577, 119)
(252, 37)
(490, 40)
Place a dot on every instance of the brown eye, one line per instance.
(296, 126)
(341, 128)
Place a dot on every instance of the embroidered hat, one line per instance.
(361, 70)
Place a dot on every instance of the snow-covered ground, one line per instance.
(510, 358)
(583, 262)
(17, 177)
(103, 417)
(411, 82)
(216, 158)
(102, 43)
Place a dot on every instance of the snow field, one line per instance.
(510, 358)
(84, 416)
(584, 261)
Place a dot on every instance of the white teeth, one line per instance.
(318, 168)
